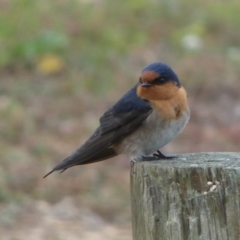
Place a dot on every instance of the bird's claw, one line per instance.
(160, 155)
(156, 156)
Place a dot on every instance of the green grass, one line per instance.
(99, 49)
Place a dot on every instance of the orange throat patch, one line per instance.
(174, 107)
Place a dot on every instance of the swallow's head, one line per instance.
(157, 82)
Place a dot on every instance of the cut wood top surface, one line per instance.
(193, 160)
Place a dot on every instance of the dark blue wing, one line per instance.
(128, 109)
(119, 121)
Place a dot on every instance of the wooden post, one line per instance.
(193, 197)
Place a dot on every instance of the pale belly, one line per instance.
(151, 136)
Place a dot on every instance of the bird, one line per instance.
(145, 119)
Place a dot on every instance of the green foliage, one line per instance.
(97, 31)
(30, 29)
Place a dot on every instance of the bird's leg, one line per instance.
(160, 155)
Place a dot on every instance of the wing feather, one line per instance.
(119, 121)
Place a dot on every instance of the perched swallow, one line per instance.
(144, 120)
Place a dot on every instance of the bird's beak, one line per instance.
(146, 84)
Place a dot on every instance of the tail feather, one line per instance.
(75, 159)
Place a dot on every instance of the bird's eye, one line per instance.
(160, 80)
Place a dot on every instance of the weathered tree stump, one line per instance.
(193, 197)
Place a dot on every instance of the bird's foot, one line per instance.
(160, 155)
(149, 158)
(157, 156)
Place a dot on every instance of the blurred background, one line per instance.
(63, 63)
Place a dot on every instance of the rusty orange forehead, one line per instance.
(148, 76)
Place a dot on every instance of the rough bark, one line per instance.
(193, 197)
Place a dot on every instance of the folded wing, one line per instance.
(120, 120)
